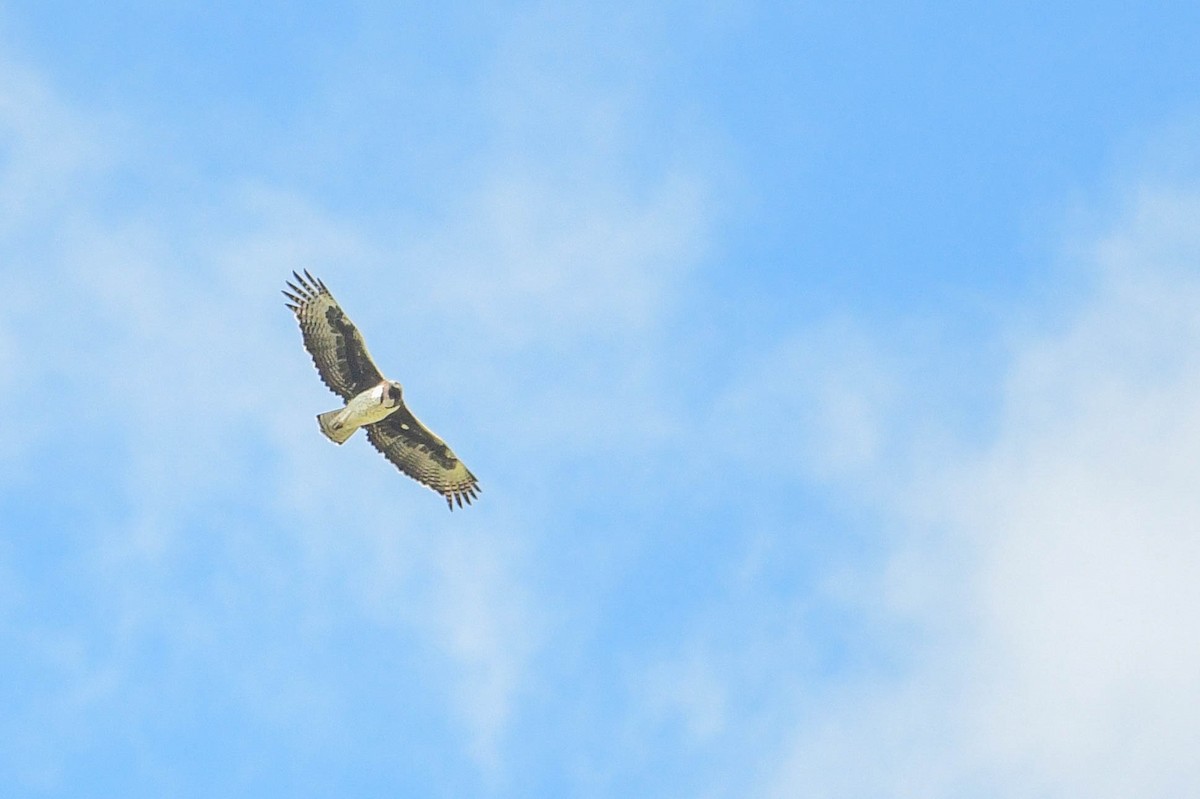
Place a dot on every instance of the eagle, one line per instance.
(372, 401)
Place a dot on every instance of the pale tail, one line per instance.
(337, 435)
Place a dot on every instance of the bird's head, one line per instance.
(393, 393)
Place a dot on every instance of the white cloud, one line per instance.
(814, 406)
(143, 311)
(532, 262)
(46, 148)
(1086, 515)
(1062, 653)
(46, 152)
(688, 692)
(485, 619)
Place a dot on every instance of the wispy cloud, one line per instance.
(1058, 654)
(213, 517)
(784, 575)
(816, 405)
(49, 150)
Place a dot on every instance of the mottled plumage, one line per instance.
(372, 402)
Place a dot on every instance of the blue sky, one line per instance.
(831, 372)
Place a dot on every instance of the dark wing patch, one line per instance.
(336, 346)
(420, 454)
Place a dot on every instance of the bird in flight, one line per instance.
(372, 401)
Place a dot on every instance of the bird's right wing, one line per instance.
(419, 453)
(336, 346)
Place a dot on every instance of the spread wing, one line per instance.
(420, 454)
(336, 346)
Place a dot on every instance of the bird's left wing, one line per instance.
(420, 454)
(336, 346)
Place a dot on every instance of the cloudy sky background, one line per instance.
(832, 373)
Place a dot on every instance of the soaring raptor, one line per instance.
(372, 401)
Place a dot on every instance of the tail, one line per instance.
(335, 430)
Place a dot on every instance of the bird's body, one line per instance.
(371, 406)
(372, 402)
